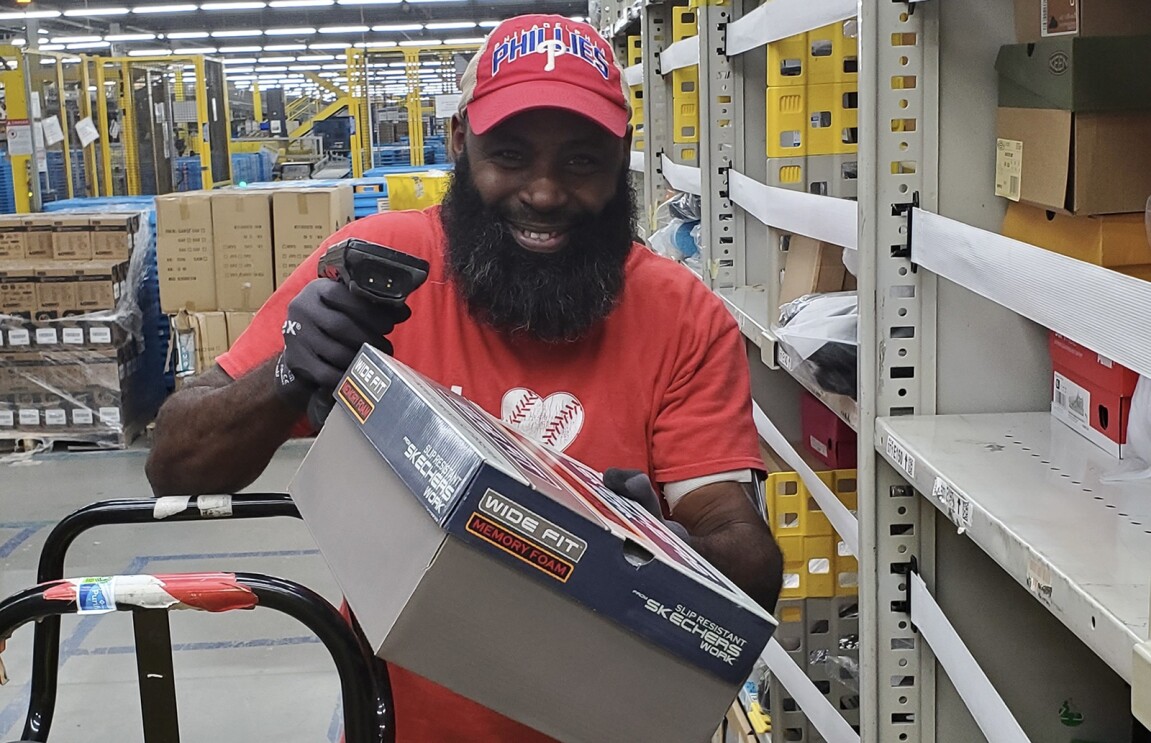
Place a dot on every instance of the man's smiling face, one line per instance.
(538, 222)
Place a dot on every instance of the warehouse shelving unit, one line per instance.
(1040, 565)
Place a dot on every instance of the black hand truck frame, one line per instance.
(368, 713)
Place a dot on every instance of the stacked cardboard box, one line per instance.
(228, 250)
(1073, 123)
(813, 111)
(70, 352)
(200, 338)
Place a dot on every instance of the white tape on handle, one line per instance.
(683, 53)
(818, 709)
(838, 514)
(782, 18)
(984, 703)
(638, 161)
(822, 217)
(170, 505)
(686, 178)
(214, 506)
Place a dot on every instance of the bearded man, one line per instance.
(540, 307)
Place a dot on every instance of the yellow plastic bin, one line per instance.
(417, 190)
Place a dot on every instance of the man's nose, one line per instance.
(544, 190)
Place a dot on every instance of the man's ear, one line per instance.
(459, 136)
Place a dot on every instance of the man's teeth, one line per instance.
(539, 235)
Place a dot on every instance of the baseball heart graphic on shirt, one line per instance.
(554, 420)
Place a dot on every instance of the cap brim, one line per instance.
(500, 105)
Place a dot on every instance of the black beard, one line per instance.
(551, 297)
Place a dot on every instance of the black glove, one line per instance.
(326, 326)
(636, 486)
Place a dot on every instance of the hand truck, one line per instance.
(368, 713)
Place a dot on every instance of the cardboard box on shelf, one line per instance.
(13, 238)
(1080, 75)
(39, 239)
(1082, 164)
(1091, 393)
(56, 294)
(200, 338)
(242, 238)
(1039, 19)
(238, 322)
(471, 517)
(100, 285)
(18, 290)
(114, 235)
(811, 267)
(71, 238)
(304, 218)
(184, 252)
(1114, 240)
(827, 437)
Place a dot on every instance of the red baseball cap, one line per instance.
(544, 61)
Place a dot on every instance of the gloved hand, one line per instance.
(325, 328)
(636, 486)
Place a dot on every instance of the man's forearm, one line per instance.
(218, 435)
(728, 532)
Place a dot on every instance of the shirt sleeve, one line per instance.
(704, 423)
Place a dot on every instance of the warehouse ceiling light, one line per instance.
(86, 12)
(240, 60)
(344, 30)
(157, 9)
(51, 47)
(235, 33)
(188, 35)
(369, 2)
(74, 39)
(150, 53)
(30, 14)
(300, 3)
(245, 5)
(383, 28)
(240, 49)
(89, 45)
(131, 37)
(285, 48)
(449, 25)
(328, 45)
(422, 42)
(289, 31)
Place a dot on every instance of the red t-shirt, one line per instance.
(661, 385)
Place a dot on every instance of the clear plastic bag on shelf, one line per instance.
(677, 231)
(846, 666)
(823, 331)
(1137, 463)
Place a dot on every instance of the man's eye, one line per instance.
(584, 161)
(508, 155)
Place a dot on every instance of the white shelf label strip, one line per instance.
(633, 75)
(682, 177)
(814, 704)
(825, 218)
(782, 18)
(1104, 310)
(638, 161)
(683, 53)
(838, 514)
(985, 704)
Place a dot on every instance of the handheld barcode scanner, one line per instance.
(373, 271)
(377, 273)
